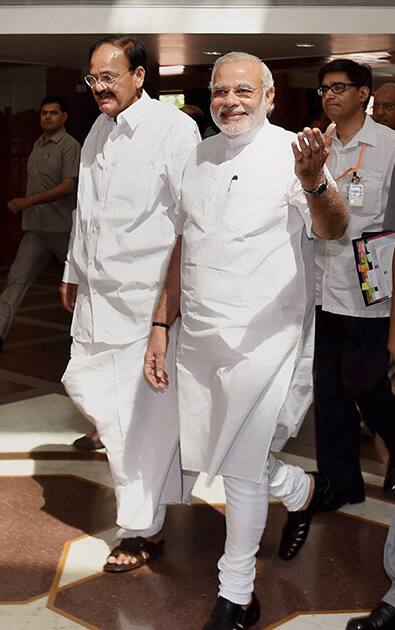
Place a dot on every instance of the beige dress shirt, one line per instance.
(48, 165)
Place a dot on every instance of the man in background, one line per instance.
(351, 357)
(383, 615)
(384, 105)
(47, 206)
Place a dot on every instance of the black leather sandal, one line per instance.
(298, 523)
(135, 547)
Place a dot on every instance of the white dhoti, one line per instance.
(138, 426)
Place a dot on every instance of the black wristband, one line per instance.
(391, 370)
(319, 190)
(161, 325)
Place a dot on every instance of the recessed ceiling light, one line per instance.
(212, 53)
(305, 45)
(166, 71)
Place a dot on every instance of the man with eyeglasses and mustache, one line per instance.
(351, 357)
(123, 232)
(242, 275)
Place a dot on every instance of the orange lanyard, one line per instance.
(353, 169)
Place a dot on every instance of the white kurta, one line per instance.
(123, 233)
(246, 342)
(128, 197)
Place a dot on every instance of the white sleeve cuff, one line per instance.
(69, 275)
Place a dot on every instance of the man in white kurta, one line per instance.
(130, 178)
(247, 304)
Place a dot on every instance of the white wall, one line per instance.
(194, 19)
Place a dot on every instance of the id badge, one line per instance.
(356, 195)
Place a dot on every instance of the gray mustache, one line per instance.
(105, 94)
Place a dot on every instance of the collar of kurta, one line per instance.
(245, 138)
(55, 138)
(133, 114)
(366, 135)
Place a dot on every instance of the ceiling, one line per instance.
(180, 32)
(281, 51)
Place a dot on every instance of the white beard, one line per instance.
(245, 124)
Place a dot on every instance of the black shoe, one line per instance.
(88, 442)
(389, 481)
(335, 500)
(298, 523)
(381, 618)
(229, 616)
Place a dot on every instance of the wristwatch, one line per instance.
(320, 190)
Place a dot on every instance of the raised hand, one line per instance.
(311, 152)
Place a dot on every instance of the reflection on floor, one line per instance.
(57, 518)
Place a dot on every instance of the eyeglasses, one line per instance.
(387, 107)
(106, 79)
(336, 88)
(243, 92)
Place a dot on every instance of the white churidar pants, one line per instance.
(138, 426)
(246, 512)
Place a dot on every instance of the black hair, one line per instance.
(134, 49)
(59, 100)
(358, 73)
(194, 112)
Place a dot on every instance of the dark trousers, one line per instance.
(350, 376)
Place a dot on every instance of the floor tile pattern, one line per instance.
(34, 530)
(57, 517)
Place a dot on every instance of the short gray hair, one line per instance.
(267, 77)
(385, 85)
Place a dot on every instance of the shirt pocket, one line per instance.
(49, 166)
(372, 207)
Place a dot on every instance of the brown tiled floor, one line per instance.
(47, 520)
(38, 351)
(8, 387)
(179, 591)
(46, 360)
(54, 315)
(28, 332)
(39, 514)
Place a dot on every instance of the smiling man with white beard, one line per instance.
(242, 275)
